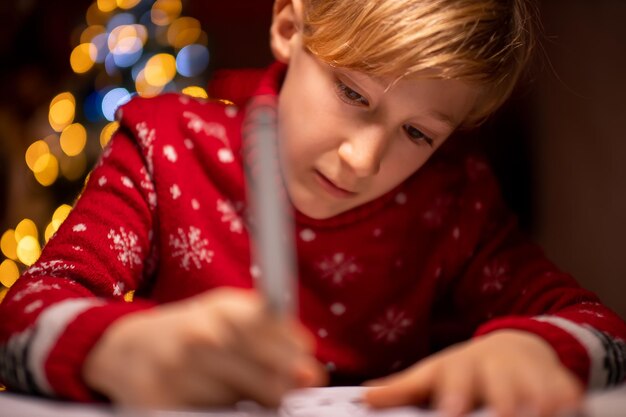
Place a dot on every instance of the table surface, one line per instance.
(314, 402)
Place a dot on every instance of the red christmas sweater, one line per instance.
(437, 260)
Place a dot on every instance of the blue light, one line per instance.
(119, 20)
(110, 66)
(92, 107)
(112, 100)
(100, 42)
(192, 60)
(128, 59)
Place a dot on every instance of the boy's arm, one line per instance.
(59, 308)
(508, 283)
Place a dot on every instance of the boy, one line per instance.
(401, 252)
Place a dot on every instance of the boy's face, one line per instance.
(347, 139)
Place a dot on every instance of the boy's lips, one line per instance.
(331, 187)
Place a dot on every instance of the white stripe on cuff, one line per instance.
(49, 326)
(598, 375)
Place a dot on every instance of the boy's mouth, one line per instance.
(331, 187)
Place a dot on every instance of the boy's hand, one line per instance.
(212, 349)
(514, 373)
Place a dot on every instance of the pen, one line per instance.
(271, 224)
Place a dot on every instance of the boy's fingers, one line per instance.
(455, 388)
(413, 386)
(546, 396)
(499, 391)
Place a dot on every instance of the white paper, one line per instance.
(312, 402)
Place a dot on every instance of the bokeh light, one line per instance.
(106, 5)
(112, 100)
(8, 244)
(74, 167)
(144, 88)
(46, 169)
(73, 139)
(183, 31)
(9, 273)
(107, 133)
(165, 12)
(127, 4)
(34, 151)
(195, 91)
(192, 60)
(26, 227)
(28, 250)
(62, 111)
(83, 57)
(160, 70)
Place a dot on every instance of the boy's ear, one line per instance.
(286, 23)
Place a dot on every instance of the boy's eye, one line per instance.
(417, 136)
(349, 95)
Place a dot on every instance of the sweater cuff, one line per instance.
(576, 346)
(68, 348)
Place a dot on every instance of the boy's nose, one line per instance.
(364, 151)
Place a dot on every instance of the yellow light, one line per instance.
(91, 32)
(106, 5)
(3, 293)
(95, 16)
(195, 91)
(127, 39)
(107, 133)
(61, 213)
(8, 244)
(128, 297)
(73, 139)
(34, 151)
(160, 70)
(127, 4)
(9, 273)
(26, 227)
(165, 11)
(62, 111)
(28, 250)
(144, 89)
(50, 230)
(74, 167)
(183, 31)
(83, 57)
(46, 169)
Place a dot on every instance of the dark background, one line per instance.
(559, 146)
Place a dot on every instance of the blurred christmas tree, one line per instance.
(125, 47)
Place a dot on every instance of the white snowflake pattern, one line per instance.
(307, 235)
(128, 183)
(592, 313)
(80, 227)
(231, 111)
(102, 181)
(339, 268)
(190, 248)
(125, 244)
(175, 191)
(188, 144)
(77, 248)
(391, 326)
(231, 214)
(495, 275)
(146, 184)
(436, 213)
(195, 204)
(118, 288)
(215, 130)
(35, 287)
(35, 305)
(147, 137)
(170, 153)
(54, 268)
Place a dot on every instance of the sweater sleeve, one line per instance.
(58, 309)
(499, 279)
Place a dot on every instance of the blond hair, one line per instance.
(488, 42)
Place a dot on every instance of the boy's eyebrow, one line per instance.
(443, 117)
